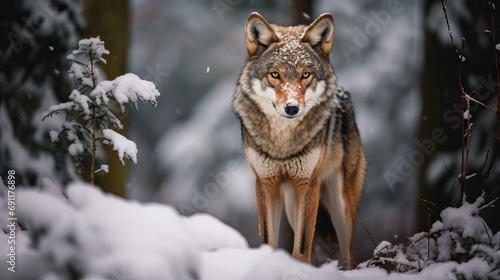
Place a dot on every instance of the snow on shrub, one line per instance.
(461, 240)
(90, 117)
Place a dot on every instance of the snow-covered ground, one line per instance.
(87, 234)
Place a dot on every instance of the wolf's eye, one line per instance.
(275, 74)
(306, 75)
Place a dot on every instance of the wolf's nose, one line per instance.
(291, 110)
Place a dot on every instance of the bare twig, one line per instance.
(94, 126)
(371, 237)
(428, 239)
(487, 233)
(466, 132)
(485, 160)
(424, 200)
(372, 260)
(383, 248)
(489, 204)
(465, 146)
(486, 174)
(383, 260)
(448, 25)
(492, 13)
(430, 234)
(433, 213)
(468, 97)
(446, 166)
(416, 248)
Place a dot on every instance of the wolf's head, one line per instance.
(288, 68)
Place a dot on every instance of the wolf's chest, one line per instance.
(282, 139)
(297, 167)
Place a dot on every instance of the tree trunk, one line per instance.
(110, 20)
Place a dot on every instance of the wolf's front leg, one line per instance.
(307, 194)
(269, 207)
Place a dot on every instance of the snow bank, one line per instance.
(93, 235)
(87, 234)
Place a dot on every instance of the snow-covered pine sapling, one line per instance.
(89, 112)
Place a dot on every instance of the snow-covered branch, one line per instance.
(90, 118)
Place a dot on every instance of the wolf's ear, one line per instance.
(320, 34)
(259, 34)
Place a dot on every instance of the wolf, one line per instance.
(299, 136)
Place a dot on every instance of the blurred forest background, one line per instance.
(394, 56)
